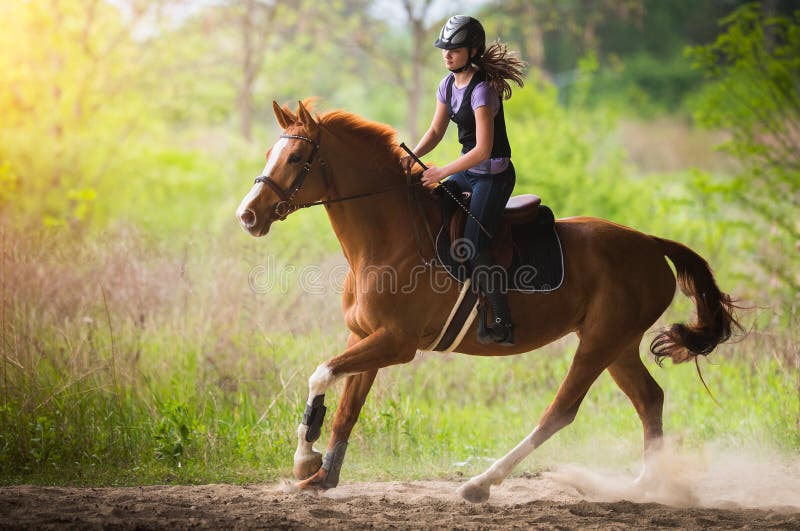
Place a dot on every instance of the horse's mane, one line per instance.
(376, 134)
(381, 139)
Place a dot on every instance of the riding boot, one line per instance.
(490, 279)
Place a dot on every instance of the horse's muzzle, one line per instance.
(248, 219)
(250, 222)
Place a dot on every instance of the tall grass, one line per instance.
(137, 357)
(128, 359)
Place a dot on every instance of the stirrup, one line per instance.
(499, 333)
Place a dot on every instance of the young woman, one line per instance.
(471, 96)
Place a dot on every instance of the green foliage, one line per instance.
(754, 92)
(564, 155)
(9, 183)
(175, 432)
(646, 85)
(638, 44)
(75, 91)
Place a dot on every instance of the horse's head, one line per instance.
(292, 176)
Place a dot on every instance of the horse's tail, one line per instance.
(715, 318)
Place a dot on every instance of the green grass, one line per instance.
(205, 380)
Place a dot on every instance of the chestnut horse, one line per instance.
(616, 285)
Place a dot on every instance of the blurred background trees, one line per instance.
(753, 92)
(144, 111)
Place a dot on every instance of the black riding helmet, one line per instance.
(462, 31)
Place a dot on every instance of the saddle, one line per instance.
(526, 243)
(520, 209)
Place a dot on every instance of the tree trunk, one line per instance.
(245, 95)
(535, 40)
(420, 49)
(415, 88)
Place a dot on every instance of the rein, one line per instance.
(286, 205)
(449, 193)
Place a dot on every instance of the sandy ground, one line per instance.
(565, 499)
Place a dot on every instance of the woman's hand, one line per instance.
(432, 176)
(406, 161)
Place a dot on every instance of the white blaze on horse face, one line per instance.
(273, 156)
(251, 195)
(267, 172)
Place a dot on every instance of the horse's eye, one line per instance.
(294, 158)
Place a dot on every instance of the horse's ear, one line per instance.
(304, 116)
(284, 118)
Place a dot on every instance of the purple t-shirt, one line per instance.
(482, 94)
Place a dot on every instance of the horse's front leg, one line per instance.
(361, 360)
(307, 461)
(356, 388)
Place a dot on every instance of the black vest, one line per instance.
(465, 119)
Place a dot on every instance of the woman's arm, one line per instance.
(484, 139)
(435, 132)
(432, 136)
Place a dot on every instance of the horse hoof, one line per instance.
(315, 482)
(307, 467)
(474, 492)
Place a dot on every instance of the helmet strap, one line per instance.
(462, 69)
(472, 58)
(466, 65)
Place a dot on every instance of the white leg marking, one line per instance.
(477, 489)
(305, 450)
(318, 383)
(648, 477)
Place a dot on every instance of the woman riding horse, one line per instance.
(470, 97)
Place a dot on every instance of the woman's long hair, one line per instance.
(500, 66)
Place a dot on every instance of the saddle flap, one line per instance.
(522, 208)
(459, 218)
(530, 252)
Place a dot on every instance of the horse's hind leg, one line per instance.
(587, 365)
(647, 397)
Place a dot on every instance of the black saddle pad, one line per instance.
(537, 263)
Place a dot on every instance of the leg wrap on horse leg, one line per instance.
(332, 463)
(313, 417)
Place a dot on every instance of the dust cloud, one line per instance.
(716, 477)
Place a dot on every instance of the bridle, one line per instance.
(286, 205)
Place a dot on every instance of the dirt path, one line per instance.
(541, 501)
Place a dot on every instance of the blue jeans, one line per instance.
(490, 194)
